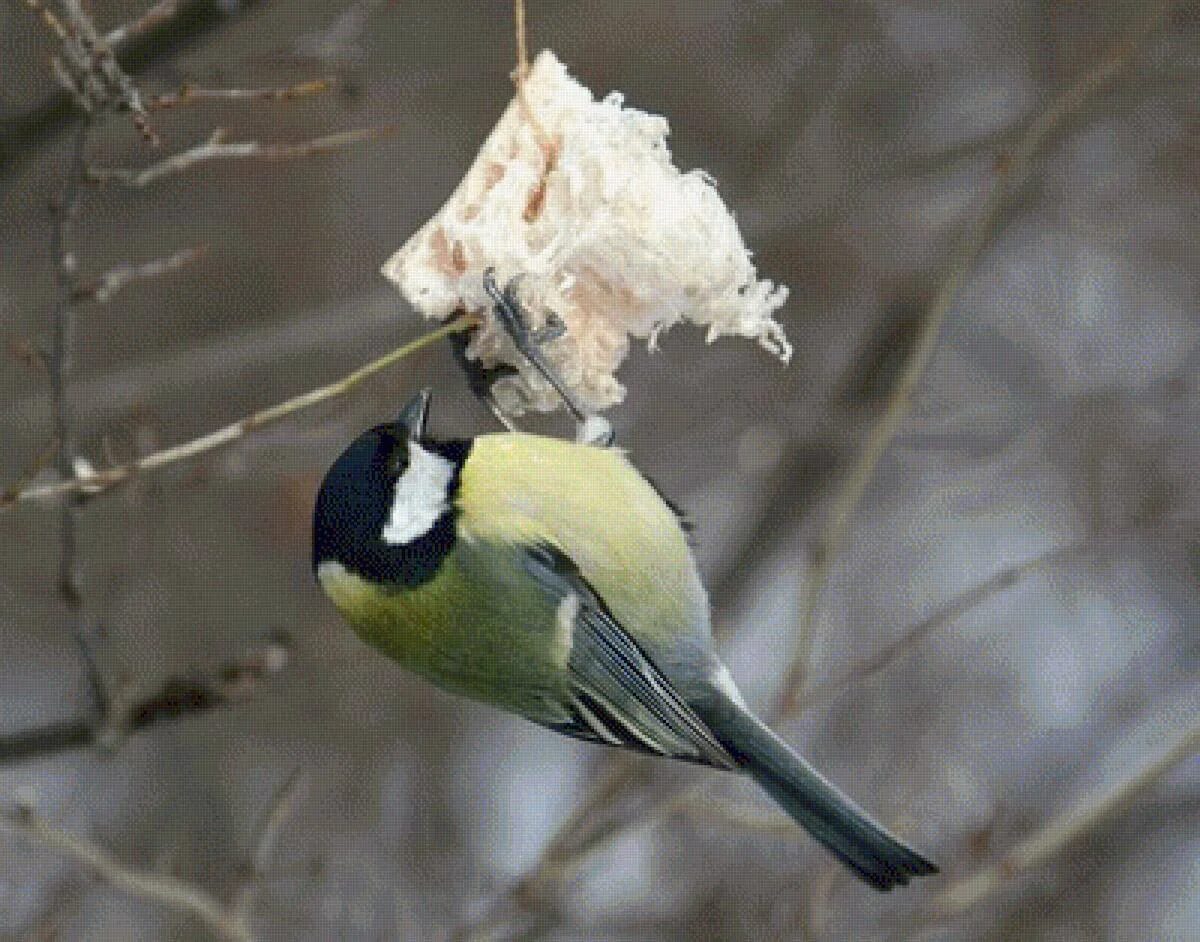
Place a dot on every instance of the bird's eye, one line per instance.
(397, 462)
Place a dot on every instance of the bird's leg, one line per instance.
(480, 380)
(508, 312)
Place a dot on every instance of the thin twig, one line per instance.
(198, 22)
(1010, 174)
(62, 359)
(944, 617)
(122, 276)
(520, 74)
(89, 71)
(583, 827)
(190, 94)
(110, 477)
(266, 838)
(155, 16)
(1064, 830)
(522, 40)
(160, 888)
(25, 353)
(49, 19)
(43, 459)
(216, 148)
(571, 841)
(61, 366)
(911, 638)
(185, 695)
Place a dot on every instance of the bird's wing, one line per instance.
(618, 696)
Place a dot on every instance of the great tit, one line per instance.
(551, 579)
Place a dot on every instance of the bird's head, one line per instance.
(385, 510)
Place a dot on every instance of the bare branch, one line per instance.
(155, 16)
(103, 480)
(41, 460)
(622, 772)
(87, 68)
(520, 73)
(100, 698)
(231, 922)
(49, 19)
(190, 94)
(1010, 174)
(216, 148)
(575, 837)
(522, 40)
(270, 826)
(186, 695)
(157, 887)
(122, 276)
(1064, 830)
(25, 353)
(944, 617)
(61, 359)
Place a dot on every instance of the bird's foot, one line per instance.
(511, 317)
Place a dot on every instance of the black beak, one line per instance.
(413, 416)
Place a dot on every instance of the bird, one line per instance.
(551, 579)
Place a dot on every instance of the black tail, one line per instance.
(833, 819)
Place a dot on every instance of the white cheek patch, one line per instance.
(420, 496)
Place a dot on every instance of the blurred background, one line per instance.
(1002, 663)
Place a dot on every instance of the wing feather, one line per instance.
(618, 696)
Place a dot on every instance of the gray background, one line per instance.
(853, 141)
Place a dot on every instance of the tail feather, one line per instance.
(866, 848)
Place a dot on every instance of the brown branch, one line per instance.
(943, 618)
(25, 353)
(520, 73)
(232, 921)
(49, 19)
(185, 695)
(216, 148)
(1061, 832)
(43, 459)
(60, 363)
(1009, 175)
(61, 359)
(197, 22)
(107, 478)
(583, 829)
(122, 276)
(154, 17)
(87, 68)
(522, 41)
(160, 888)
(526, 892)
(270, 826)
(622, 771)
(191, 94)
